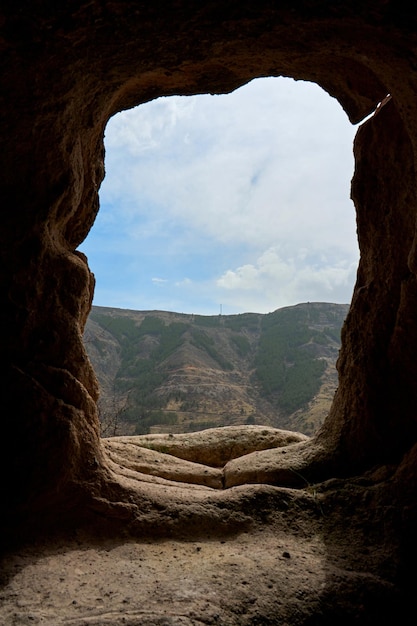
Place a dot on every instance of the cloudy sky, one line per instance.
(228, 203)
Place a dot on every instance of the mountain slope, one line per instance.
(170, 372)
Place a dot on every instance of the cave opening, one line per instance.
(345, 497)
(241, 199)
(207, 195)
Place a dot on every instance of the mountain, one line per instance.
(170, 372)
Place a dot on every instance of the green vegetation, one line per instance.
(121, 327)
(152, 418)
(332, 332)
(278, 363)
(201, 340)
(241, 343)
(284, 367)
(139, 376)
(249, 321)
(208, 321)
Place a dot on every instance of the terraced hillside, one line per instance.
(170, 372)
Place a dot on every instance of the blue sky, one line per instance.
(236, 203)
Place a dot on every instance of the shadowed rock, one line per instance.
(65, 69)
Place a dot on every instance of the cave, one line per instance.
(66, 69)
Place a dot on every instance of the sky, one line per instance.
(227, 204)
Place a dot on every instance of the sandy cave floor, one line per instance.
(246, 579)
(276, 573)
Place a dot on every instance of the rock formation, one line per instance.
(65, 69)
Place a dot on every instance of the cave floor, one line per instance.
(248, 579)
(265, 575)
(246, 555)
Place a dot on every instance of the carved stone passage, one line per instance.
(65, 69)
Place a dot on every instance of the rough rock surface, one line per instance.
(203, 458)
(65, 69)
(215, 446)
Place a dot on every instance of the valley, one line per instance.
(169, 372)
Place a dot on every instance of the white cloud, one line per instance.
(255, 182)
(145, 128)
(274, 281)
(268, 175)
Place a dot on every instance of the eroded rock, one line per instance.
(65, 72)
(216, 446)
(148, 461)
(65, 69)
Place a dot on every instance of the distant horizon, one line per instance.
(239, 200)
(290, 306)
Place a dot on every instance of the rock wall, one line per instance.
(374, 409)
(65, 69)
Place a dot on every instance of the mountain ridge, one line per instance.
(161, 371)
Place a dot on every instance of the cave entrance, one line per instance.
(215, 206)
(53, 142)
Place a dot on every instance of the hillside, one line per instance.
(170, 372)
